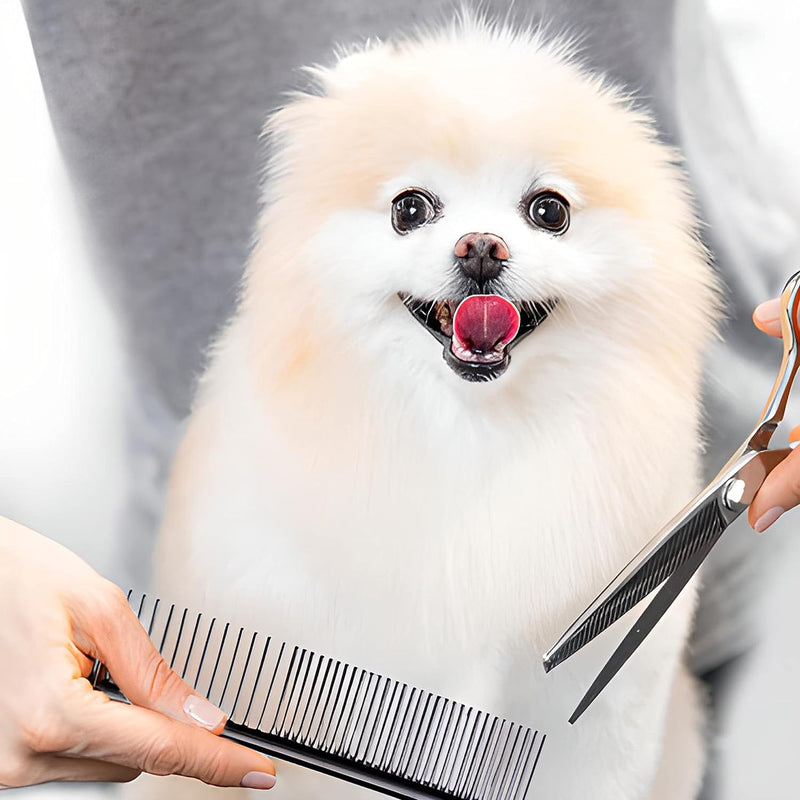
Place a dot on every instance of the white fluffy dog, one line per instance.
(459, 393)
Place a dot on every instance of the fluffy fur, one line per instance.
(341, 487)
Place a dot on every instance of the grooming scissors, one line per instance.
(676, 552)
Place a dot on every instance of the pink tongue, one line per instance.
(485, 323)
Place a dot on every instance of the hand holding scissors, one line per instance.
(676, 552)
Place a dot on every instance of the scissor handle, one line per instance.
(773, 411)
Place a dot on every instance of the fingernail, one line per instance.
(769, 310)
(767, 518)
(258, 780)
(203, 712)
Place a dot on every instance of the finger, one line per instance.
(118, 639)
(780, 492)
(145, 740)
(766, 317)
(58, 768)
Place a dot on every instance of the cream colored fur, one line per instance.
(340, 487)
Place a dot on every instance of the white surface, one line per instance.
(760, 40)
(61, 462)
(60, 426)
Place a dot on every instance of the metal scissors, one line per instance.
(676, 552)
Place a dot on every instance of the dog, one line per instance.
(460, 391)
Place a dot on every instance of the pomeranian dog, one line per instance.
(460, 391)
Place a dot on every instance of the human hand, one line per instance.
(58, 615)
(781, 490)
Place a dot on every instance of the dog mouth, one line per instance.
(478, 331)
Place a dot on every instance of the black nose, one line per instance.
(481, 256)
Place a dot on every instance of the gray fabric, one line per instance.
(158, 107)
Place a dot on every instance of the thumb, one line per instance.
(117, 638)
(144, 740)
(766, 317)
(779, 492)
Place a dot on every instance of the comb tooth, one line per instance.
(299, 733)
(293, 731)
(326, 741)
(191, 646)
(246, 719)
(440, 781)
(437, 744)
(395, 686)
(391, 764)
(230, 667)
(349, 731)
(486, 762)
(391, 738)
(456, 750)
(141, 606)
(152, 618)
(495, 782)
(377, 699)
(244, 674)
(366, 725)
(216, 662)
(166, 629)
(411, 727)
(203, 654)
(274, 727)
(535, 762)
(451, 723)
(424, 741)
(372, 725)
(511, 792)
(516, 790)
(531, 766)
(271, 683)
(317, 741)
(323, 683)
(451, 758)
(340, 716)
(471, 752)
(128, 595)
(459, 766)
(392, 742)
(171, 661)
(505, 759)
(519, 766)
(481, 759)
(290, 703)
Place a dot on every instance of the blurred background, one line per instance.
(65, 463)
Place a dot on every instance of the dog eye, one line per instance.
(413, 208)
(550, 211)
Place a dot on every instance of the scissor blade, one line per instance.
(657, 561)
(651, 615)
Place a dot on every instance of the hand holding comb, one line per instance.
(338, 719)
(676, 552)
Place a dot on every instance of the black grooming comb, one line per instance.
(300, 706)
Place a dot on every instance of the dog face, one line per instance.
(452, 205)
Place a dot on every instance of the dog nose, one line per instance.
(481, 256)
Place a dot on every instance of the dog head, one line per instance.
(468, 207)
